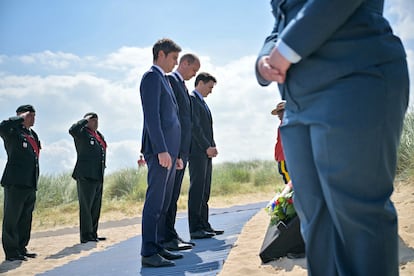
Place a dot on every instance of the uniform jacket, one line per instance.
(91, 155)
(162, 130)
(202, 129)
(22, 167)
(184, 105)
(356, 37)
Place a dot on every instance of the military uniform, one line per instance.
(19, 180)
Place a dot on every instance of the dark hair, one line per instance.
(190, 58)
(92, 114)
(166, 45)
(204, 77)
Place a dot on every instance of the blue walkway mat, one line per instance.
(206, 258)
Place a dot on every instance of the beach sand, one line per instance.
(57, 247)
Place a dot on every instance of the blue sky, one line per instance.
(69, 57)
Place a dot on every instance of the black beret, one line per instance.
(92, 114)
(25, 108)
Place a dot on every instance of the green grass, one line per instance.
(124, 190)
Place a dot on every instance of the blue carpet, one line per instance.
(206, 258)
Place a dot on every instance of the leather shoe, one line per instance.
(30, 255)
(186, 242)
(155, 261)
(217, 232)
(169, 255)
(16, 258)
(101, 238)
(175, 245)
(201, 234)
(89, 240)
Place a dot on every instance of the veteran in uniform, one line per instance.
(19, 181)
(89, 174)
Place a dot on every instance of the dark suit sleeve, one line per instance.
(150, 95)
(197, 130)
(268, 46)
(6, 126)
(76, 129)
(316, 22)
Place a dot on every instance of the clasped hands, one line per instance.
(273, 67)
(211, 152)
(165, 160)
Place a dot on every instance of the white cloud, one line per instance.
(400, 13)
(57, 60)
(63, 87)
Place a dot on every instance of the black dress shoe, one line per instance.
(201, 234)
(169, 255)
(101, 238)
(30, 255)
(186, 242)
(155, 261)
(16, 258)
(176, 245)
(217, 232)
(89, 240)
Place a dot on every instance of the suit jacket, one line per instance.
(161, 131)
(22, 167)
(356, 36)
(202, 130)
(184, 105)
(91, 155)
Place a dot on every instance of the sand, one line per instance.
(57, 247)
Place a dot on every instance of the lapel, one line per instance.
(184, 87)
(203, 103)
(167, 84)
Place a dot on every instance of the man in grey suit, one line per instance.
(344, 76)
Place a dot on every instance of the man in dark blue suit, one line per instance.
(187, 68)
(343, 74)
(161, 138)
(203, 149)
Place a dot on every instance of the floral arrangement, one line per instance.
(281, 208)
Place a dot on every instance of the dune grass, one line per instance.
(124, 190)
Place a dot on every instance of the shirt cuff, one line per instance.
(287, 52)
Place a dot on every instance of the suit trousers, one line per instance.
(90, 201)
(17, 219)
(341, 146)
(157, 199)
(199, 192)
(170, 232)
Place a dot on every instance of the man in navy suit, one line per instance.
(161, 138)
(19, 180)
(203, 149)
(187, 68)
(343, 74)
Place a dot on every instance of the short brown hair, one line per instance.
(166, 45)
(204, 77)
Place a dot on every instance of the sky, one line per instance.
(69, 57)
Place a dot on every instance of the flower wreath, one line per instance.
(281, 208)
